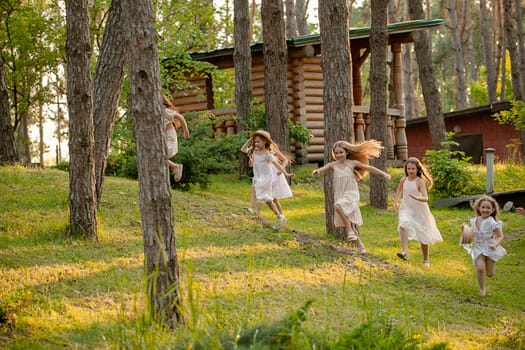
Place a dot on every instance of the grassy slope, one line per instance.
(59, 291)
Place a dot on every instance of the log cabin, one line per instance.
(305, 88)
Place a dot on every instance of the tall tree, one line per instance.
(521, 43)
(457, 47)
(486, 40)
(378, 100)
(82, 195)
(155, 197)
(510, 45)
(291, 22)
(109, 75)
(275, 72)
(301, 17)
(7, 133)
(243, 69)
(336, 62)
(423, 48)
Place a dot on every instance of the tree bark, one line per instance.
(291, 23)
(457, 47)
(521, 46)
(336, 64)
(487, 52)
(155, 197)
(109, 75)
(510, 44)
(300, 15)
(7, 132)
(82, 195)
(378, 99)
(422, 45)
(242, 59)
(275, 72)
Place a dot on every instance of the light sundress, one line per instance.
(483, 237)
(346, 195)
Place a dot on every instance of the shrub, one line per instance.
(63, 165)
(203, 154)
(453, 176)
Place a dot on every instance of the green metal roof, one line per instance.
(355, 33)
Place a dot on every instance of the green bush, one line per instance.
(202, 154)
(452, 172)
(63, 165)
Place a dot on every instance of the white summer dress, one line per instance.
(262, 176)
(346, 195)
(415, 217)
(171, 133)
(483, 237)
(280, 187)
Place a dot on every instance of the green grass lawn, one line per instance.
(60, 292)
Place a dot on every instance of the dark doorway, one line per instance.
(471, 145)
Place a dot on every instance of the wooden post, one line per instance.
(397, 81)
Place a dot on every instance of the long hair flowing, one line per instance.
(361, 152)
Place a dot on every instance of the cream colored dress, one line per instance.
(415, 217)
(262, 176)
(483, 238)
(171, 134)
(346, 195)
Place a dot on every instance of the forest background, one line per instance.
(471, 58)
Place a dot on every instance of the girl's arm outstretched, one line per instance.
(399, 192)
(372, 169)
(281, 169)
(323, 169)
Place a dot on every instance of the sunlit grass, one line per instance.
(67, 293)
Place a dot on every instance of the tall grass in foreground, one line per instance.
(240, 280)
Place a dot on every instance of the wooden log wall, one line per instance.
(194, 99)
(312, 114)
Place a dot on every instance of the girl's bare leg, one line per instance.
(258, 208)
(480, 272)
(278, 206)
(424, 249)
(490, 266)
(252, 200)
(403, 237)
(350, 233)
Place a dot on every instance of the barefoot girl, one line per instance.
(172, 120)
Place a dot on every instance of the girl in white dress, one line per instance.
(173, 120)
(351, 164)
(415, 221)
(261, 146)
(485, 249)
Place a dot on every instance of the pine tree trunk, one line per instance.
(275, 72)
(109, 75)
(82, 196)
(378, 100)
(337, 92)
(291, 24)
(457, 47)
(300, 15)
(422, 44)
(487, 52)
(510, 44)
(7, 132)
(155, 197)
(243, 70)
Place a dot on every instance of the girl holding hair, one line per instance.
(349, 166)
(260, 147)
(173, 120)
(485, 249)
(415, 221)
(280, 187)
